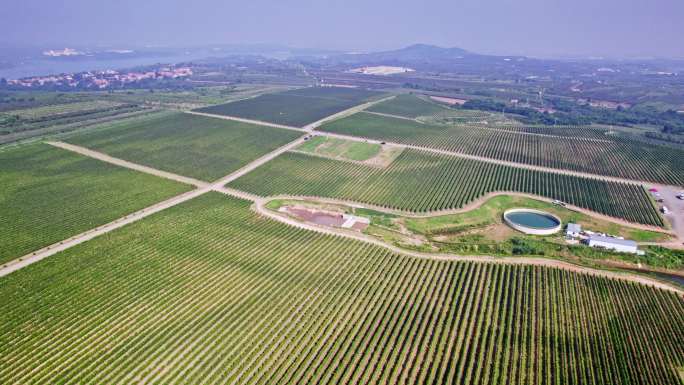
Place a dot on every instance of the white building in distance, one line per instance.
(620, 245)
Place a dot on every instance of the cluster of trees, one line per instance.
(571, 113)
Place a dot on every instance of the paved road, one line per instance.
(676, 207)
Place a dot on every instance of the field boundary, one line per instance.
(452, 153)
(474, 204)
(243, 120)
(124, 163)
(345, 113)
(260, 208)
(219, 186)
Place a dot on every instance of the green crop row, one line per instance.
(607, 156)
(295, 108)
(210, 293)
(421, 182)
(409, 106)
(49, 194)
(195, 146)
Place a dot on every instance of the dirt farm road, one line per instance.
(243, 120)
(124, 163)
(350, 111)
(50, 250)
(259, 208)
(203, 187)
(483, 127)
(446, 152)
(468, 207)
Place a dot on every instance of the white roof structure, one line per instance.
(351, 220)
(573, 228)
(623, 245)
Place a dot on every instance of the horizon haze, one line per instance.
(612, 28)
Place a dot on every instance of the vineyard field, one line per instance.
(409, 106)
(196, 146)
(565, 131)
(207, 292)
(49, 194)
(418, 181)
(611, 157)
(296, 107)
(58, 110)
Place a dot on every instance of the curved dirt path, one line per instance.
(258, 206)
(470, 206)
(261, 209)
(259, 202)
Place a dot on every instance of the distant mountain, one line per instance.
(416, 52)
(422, 57)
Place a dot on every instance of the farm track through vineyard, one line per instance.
(49, 194)
(418, 181)
(259, 202)
(208, 151)
(617, 157)
(203, 290)
(208, 292)
(298, 107)
(217, 186)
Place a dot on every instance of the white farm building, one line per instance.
(573, 230)
(620, 245)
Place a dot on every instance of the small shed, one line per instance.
(573, 230)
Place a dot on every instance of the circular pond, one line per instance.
(531, 221)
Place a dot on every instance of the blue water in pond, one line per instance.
(533, 220)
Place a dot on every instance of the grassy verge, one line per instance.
(481, 231)
(340, 148)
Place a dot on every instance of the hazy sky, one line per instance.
(532, 27)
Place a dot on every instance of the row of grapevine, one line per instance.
(49, 194)
(297, 107)
(194, 146)
(60, 110)
(614, 157)
(421, 182)
(209, 293)
(559, 130)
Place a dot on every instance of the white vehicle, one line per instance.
(664, 209)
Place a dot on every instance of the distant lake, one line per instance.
(40, 67)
